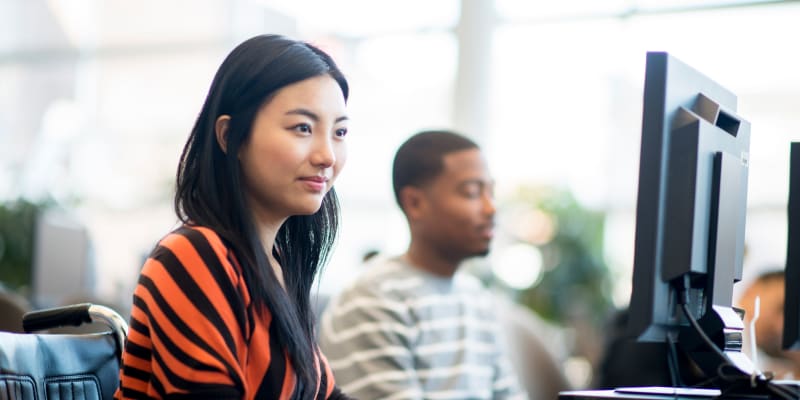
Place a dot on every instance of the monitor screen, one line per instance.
(791, 309)
(691, 204)
(63, 269)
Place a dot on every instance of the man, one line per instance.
(412, 327)
(769, 287)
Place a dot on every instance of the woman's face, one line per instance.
(295, 150)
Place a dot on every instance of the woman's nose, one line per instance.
(323, 154)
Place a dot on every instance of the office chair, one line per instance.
(62, 366)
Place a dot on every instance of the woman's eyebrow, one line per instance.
(304, 112)
(313, 115)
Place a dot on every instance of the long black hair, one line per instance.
(210, 192)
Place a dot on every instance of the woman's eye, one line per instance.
(341, 132)
(304, 128)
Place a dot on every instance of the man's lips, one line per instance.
(487, 231)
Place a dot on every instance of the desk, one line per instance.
(790, 388)
(643, 393)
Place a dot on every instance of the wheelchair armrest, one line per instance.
(75, 315)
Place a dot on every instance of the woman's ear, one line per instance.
(221, 130)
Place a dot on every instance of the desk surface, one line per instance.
(642, 393)
(791, 389)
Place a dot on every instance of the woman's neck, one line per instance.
(276, 267)
(267, 230)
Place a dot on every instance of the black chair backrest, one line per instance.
(47, 366)
(62, 366)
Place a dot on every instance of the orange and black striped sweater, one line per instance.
(195, 334)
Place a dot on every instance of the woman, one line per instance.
(222, 309)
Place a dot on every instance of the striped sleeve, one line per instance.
(367, 341)
(505, 385)
(188, 323)
(505, 382)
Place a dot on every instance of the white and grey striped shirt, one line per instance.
(401, 333)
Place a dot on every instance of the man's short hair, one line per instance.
(771, 275)
(419, 159)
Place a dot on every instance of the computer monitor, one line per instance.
(63, 265)
(690, 215)
(791, 309)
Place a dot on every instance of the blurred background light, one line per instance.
(517, 265)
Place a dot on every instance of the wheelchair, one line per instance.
(62, 366)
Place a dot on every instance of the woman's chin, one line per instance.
(308, 209)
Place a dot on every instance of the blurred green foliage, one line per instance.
(17, 229)
(576, 282)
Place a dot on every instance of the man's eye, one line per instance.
(472, 193)
(341, 132)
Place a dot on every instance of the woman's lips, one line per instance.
(314, 183)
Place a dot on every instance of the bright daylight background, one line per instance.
(97, 98)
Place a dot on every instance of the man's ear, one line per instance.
(412, 200)
(221, 131)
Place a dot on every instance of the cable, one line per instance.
(672, 362)
(753, 349)
(739, 377)
(703, 335)
(780, 391)
(683, 301)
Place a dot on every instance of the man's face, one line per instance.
(457, 216)
(769, 325)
